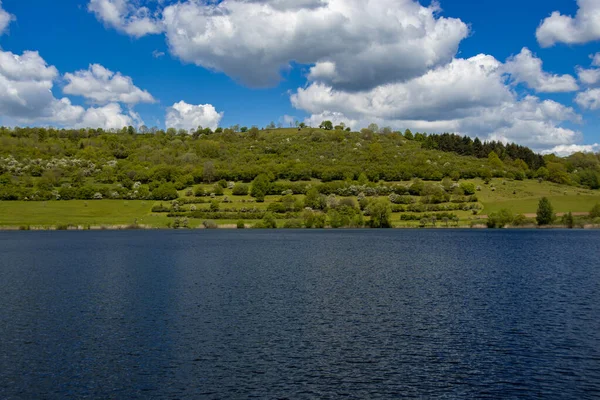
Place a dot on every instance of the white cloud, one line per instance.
(125, 17)
(158, 54)
(108, 117)
(188, 116)
(525, 67)
(26, 83)
(595, 60)
(351, 44)
(566, 150)
(467, 96)
(588, 76)
(5, 19)
(589, 99)
(583, 28)
(102, 86)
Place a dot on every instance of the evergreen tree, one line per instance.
(545, 212)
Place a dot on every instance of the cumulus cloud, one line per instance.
(188, 116)
(589, 99)
(468, 96)
(351, 44)
(26, 83)
(566, 150)
(5, 19)
(582, 28)
(102, 86)
(526, 68)
(588, 76)
(126, 17)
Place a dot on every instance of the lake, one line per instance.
(359, 314)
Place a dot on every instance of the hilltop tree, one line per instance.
(545, 212)
(327, 125)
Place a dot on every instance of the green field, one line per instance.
(517, 196)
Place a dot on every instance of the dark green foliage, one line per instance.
(240, 189)
(260, 187)
(568, 220)
(241, 224)
(545, 212)
(500, 219)
(166, 191)
(595, 211)
(217, 190)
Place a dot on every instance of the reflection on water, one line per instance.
(360, 314)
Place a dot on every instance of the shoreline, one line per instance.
(234, 227)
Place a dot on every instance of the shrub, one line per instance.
(218, 190)
(240, 189)
(500, 219)
(160, 208)
(208, 224)
(292, 224)
(166, 191)
(468, 188)
(241, 224)
(595, 211)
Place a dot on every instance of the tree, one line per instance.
(327, 125)
(568, 220)
(545, 212)
(380, 212)
(166, 191)
(408, 134)
(500, 219)
(208, 173)
(260, 187)
(595, 211)
(302, 125)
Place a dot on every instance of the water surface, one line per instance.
(300, 314)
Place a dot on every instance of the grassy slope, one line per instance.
(523, 196)
(518, 196)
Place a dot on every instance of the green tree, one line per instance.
(545, 212)
(500, 219)
(568, 220)
(380, 212)
(327, 125)
(260, 187)
(208, 173)
(595, 211)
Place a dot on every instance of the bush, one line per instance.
(468, 188)
(240, 189)
(292, 224)
(166, 191)
(208, 224)
(218, 189)
(500, 219)
(595, 211)
(160, 208)
(241, 224)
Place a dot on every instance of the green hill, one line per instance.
(93, 178)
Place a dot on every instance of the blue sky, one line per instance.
(402, 63)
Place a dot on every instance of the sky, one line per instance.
(516, 71)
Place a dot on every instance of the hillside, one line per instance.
(89, 177)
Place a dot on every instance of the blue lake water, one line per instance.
(300, 314)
